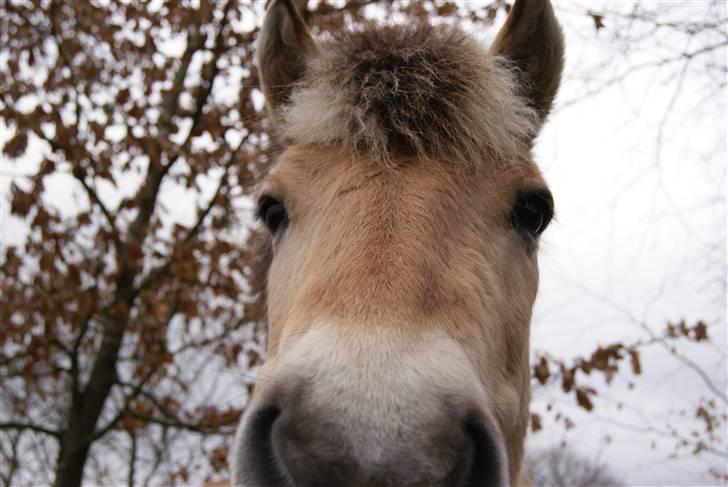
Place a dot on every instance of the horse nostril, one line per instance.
(312, 452)
(480, 461)
(296, 446)
(262, 466)
(485, 460)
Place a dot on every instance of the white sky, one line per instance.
(632, 243)
(634, 240)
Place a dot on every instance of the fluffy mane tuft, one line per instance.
(415, 90)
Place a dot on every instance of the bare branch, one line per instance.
(16, 425)
(661, 433)
(95, 199)
(172, 422)
(133, 459)
(652, 64)
(10, 458)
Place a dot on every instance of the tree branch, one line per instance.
(643, 326)
(70, 155)
(155, 173)
(659, 432)
(75, 372)
(171, 102)
(206, 88)
(156, 273)
(94, 197)
(172, 422)
(16, 425)
(684, 56)
(10, 458)
(136, 390)
(77, 170)
(699, 370)
(132, 460)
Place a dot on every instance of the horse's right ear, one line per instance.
(532, 41)
(283, 44)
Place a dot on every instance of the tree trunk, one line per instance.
(69, 468)
(86, 407)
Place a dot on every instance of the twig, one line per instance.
(16, 425)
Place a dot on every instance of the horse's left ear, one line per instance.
(531, 39)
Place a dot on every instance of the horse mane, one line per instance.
(410, 90)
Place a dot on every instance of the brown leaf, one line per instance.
(535, 423)
(447, 8)
(131, 423)
(705, 415)
(218, 458)
(21, 201)
(598, 20)
(541, 371)
(583, 399)
(46, 168)
(634, 357)
(122, 96)
(16, 146)
(671, 330)
(700, 332)
(567, 378)
(683, 327)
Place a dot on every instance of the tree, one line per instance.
(116, 315)
(562, 467)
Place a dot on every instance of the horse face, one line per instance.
(403, 266)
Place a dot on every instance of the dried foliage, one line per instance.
(574, 379)
(117, 316)
(606, 360)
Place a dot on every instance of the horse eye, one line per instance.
(532, 212)
(273, 213)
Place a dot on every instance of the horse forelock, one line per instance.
(410, 90)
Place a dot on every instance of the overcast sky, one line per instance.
(638, 173)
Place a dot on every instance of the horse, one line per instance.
(404, 215)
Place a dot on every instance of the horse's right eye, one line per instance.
(532, 211)
(273, 213)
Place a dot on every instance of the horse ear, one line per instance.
(532, 41)
(283, 43)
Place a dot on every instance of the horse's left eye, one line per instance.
(532, 211)
(273, 213)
